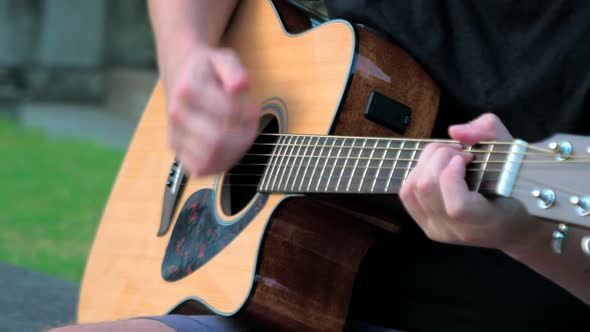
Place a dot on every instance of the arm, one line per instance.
(182, 27)
(438, 198)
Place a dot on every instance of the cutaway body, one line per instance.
(286, 262)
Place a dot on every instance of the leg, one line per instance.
(167, 323)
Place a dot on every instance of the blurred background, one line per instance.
(74, 79)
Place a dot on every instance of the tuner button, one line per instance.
(175, 163)
(583, 205)
(545, 198)
(563, 150)
(169, 183)
(172, 172)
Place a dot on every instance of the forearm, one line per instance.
(183, 26)
(570, 269)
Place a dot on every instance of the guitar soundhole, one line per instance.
(240, 183)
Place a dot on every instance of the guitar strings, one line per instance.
(551, 154)
(419, 140)
(470, 172)
(369, 148)
(571, 160)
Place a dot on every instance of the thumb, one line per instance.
(230, 72)
(486, 127)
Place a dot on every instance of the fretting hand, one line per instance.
(436, 194)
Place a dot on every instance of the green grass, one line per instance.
(52, 194)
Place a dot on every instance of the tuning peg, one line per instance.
(583, 205)
(562, 149)
(545, 198)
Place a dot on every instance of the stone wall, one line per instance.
(63, 49)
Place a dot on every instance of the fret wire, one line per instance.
(315, 168)
(288, 164)
(488, 171)
(531, 147)
(551, 158)
(411, 161)
(308, 163)
(406, 167)
(325, 164)
(468, 149)
(335, 164)
(272, 166)
(394, 166)
(265, 172)
(356, 164)
(490, 189)
(380, 165)
(298, 164)
(544, 150)
(280, 162)
(368, 164)
(431, 140)
(401, 168)
(491, 161)
(345, 162)
(483, 167)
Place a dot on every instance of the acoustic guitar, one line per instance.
(279, 238)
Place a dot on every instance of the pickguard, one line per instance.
(199, 235)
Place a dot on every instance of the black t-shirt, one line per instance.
(529, 63)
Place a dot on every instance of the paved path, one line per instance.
(78, 122)
(31, 301)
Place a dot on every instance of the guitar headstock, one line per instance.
(553, 181)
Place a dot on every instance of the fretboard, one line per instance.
(335, 164)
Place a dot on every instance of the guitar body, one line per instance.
(286, 262)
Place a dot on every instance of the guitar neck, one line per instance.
(363, 165)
